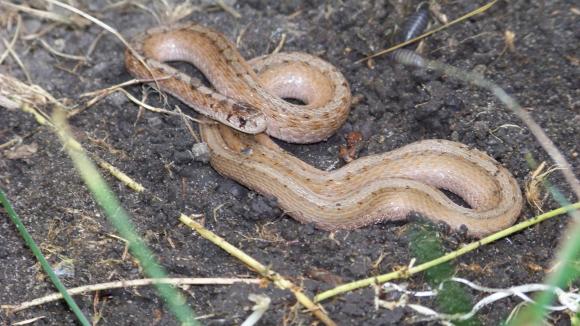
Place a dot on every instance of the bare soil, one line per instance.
(396, 106)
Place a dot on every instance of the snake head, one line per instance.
(246, 118)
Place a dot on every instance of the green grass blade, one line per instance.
(120, 219)
(568, 270)
(40, 257)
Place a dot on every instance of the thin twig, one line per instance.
(445, 258)
(102, 93)
(157, 110)
(126, 284)
(17, 59)
(14, 38)
(39, 13)
(92, 19)
(280, 281)
(280, 44)
(227, 8)
(61, 54)
(187, 124)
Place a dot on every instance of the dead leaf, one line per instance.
(323, 275)
(21, 152)
(353, 145)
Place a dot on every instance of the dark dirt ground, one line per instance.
(397, 105)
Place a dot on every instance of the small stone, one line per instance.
(200, 152)
(182, 157)
(154, 122)
(309, 229)
(117, 99)
(261, 206)
(233, 188)
(481, 128)
(454, 103)
(366, 128)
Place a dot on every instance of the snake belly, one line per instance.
(248, 98)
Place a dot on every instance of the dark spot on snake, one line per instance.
(242, 107)
(242, 122)
(247, 151)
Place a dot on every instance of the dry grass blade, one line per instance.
(15, 94)
(412, 270)
(92, 19)
(126, 3)
(109, 29)
(229, 9)
(168, 12)
(61, 54)
(13, 41)
(102, 93)
(48, 15)
(126, 284)
(280, 281)
(534, 186)
(17, 59)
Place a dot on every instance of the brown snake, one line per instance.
(248, 97)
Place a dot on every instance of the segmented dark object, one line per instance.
(408, 57)
(414, 25)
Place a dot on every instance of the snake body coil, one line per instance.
(248, 97)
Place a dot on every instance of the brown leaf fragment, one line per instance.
(353, 145)
(21, 152)
(323, 275)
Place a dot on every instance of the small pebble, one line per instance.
(200, 152)
(117, 99)
(182, 157)
(154, 122)
(264, 207)
(233, 188)
(481, 128)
